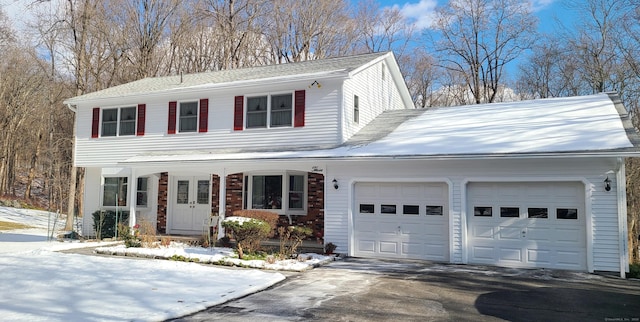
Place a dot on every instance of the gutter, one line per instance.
(73, 108)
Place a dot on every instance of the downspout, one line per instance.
(622, 217)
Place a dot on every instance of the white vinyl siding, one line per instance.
(375, 95)
(321, 127)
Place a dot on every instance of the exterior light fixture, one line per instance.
(335, 184)
(607, 184)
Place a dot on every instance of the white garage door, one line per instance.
(401, 220)
(527, 224)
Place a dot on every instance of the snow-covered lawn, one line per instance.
(37, 283)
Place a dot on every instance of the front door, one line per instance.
(191, 204)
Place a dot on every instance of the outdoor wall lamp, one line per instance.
(335, 184)
(607, 184)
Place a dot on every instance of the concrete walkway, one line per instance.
(377, 290)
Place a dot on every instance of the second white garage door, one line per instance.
(528, 224)
(401, 220)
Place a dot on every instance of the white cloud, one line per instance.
(17, 11)
(421, 13)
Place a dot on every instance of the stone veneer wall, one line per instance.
(161, 226)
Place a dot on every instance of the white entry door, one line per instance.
(191, 204)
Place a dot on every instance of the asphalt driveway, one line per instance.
(378, 290)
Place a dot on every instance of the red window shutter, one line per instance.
(204, 115)
(95, 122)
(299, 103)
(142, 113)
(238, 113)
(171, 129)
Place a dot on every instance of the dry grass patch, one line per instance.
(7, 225)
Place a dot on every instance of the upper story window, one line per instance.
(271, 110)
(356, 109)
(119, 121)
(188, 117)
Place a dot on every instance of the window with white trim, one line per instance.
(120, 121)
(188, 117)
(114, 192)
(273, 110)
(282, 193)
(142, 192)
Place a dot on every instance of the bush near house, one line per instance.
(104, 222)
(269, 217)
(248, 232)
(291, 238)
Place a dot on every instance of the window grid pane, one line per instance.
(141, 193)
(257, 112)
(127, 121)
(266, 192)
(188, 117)
(203, 192)
(115, 188)
(109, 122)
(296, 192)
(281, 110)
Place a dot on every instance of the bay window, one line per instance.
(279, 192)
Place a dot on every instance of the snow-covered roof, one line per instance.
(581, 125)
(329, 67)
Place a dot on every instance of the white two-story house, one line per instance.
(336, 144)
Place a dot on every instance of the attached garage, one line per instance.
(527, 224)
(401, 220)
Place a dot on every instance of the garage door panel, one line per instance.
(539, 256)
(510, 254)
(540, 234)
(389, 247)
(410, 232)
(483, 253)
(366, 245)
(545, 240)
(482, 231)
(569, 236)
(510, 233)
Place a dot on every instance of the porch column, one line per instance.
(222, 202)
(133, 188)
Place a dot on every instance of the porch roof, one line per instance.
(593, 125)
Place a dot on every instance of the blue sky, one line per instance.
(421, 11)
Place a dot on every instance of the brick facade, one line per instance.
(234, 193)
(314, 218)
(163, 185)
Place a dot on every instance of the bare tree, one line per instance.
(383, 29)
(422, 75)
(301, 30)
(477, 38)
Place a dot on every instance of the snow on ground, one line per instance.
(222, 256)
(39, 284)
